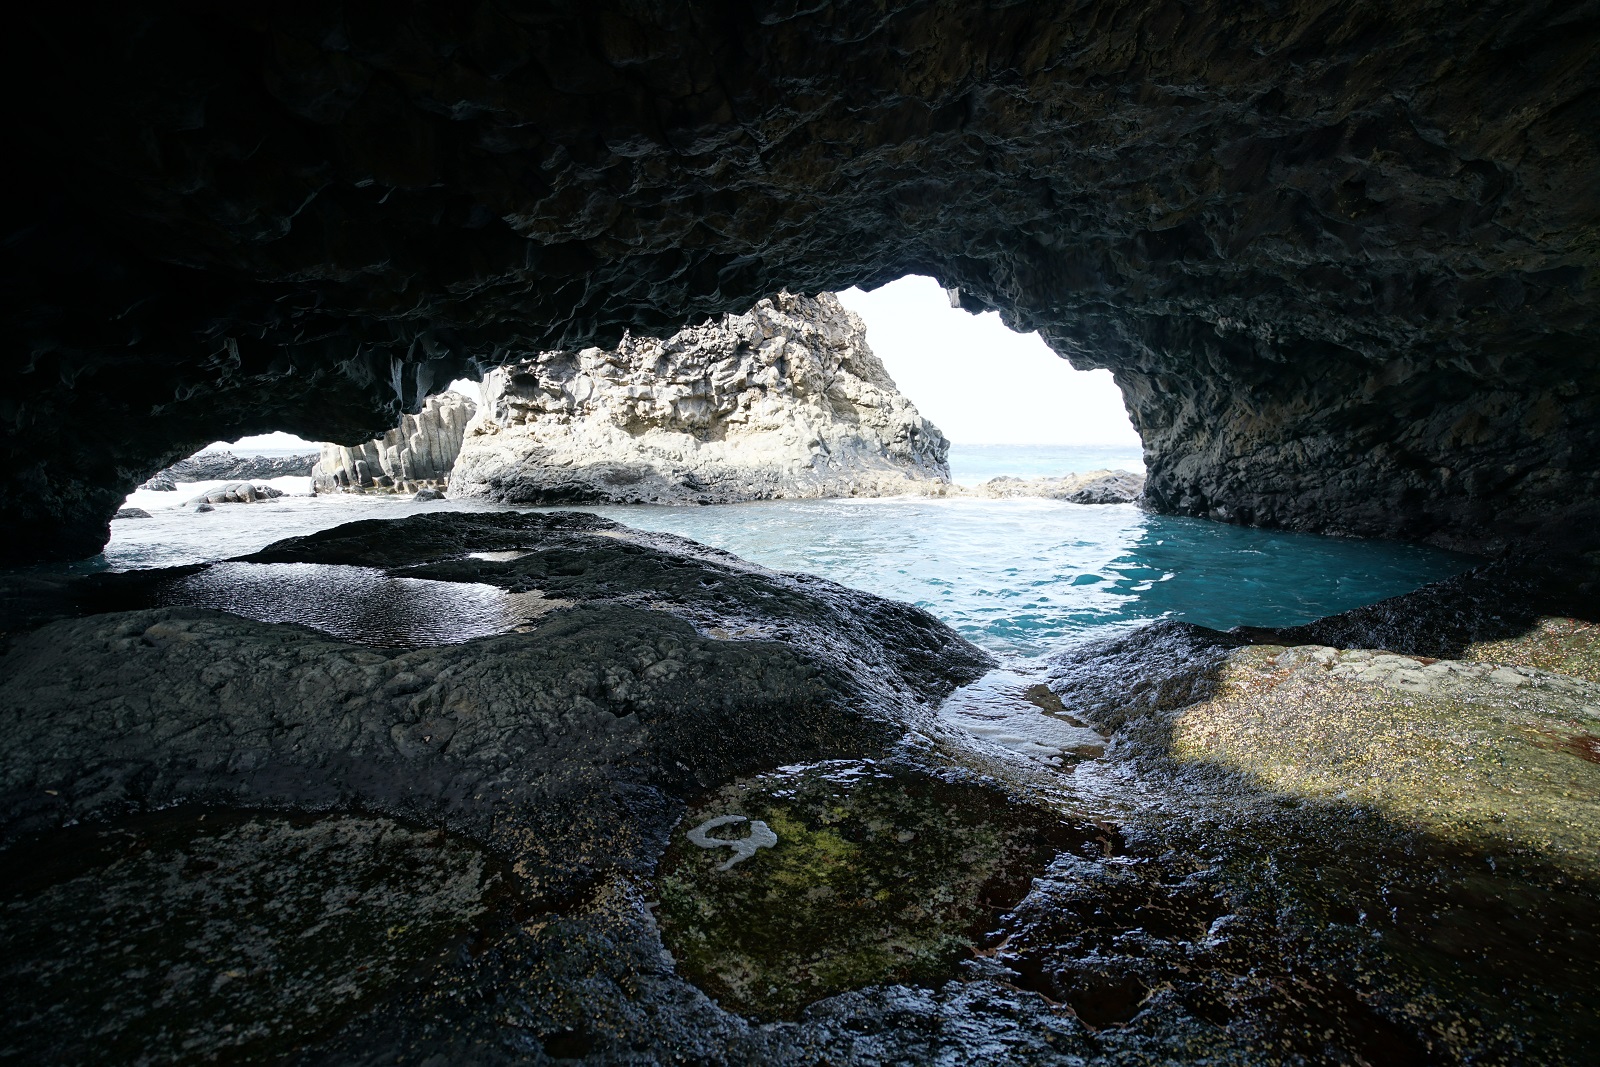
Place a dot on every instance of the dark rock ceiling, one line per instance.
(1341, 256)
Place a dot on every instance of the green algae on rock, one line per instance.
(1469, 752)
(1406, 844)
(1555, 644)
(880, 874)
(175, 939)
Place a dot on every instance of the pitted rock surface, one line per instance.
(784, 401)
(1339, 256)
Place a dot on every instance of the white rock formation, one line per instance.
(784, 401)
(418, 454)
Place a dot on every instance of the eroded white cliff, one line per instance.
(784, 401)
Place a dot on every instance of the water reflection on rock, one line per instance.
(361, 604)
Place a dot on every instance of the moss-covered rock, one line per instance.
(1404, 845)
(1477, 753)
(879, 874)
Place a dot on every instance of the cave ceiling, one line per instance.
(1341, 257)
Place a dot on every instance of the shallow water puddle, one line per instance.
(1018, 713)
(354, 603)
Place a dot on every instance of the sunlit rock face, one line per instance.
(1340, 257)
(786, 400)
(417, 454)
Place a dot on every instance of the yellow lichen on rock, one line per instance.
(1479, 753)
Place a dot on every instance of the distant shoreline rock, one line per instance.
(1092, 487)
(783, 402)
(215, 466)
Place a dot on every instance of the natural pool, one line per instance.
(1019, 577)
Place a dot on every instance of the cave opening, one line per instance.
(1259, 768)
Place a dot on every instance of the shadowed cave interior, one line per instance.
(1341, 259)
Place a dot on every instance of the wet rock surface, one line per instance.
(1246, 848)
(236, 493)
(879, 874)
(784, 401)
(1423, 828)
(1338, 256)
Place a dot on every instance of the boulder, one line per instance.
(131, 513)
(237, 493)
(161, 481)
(786, 400)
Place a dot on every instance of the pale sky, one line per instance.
(979, 382)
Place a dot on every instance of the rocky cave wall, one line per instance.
(1340, 256)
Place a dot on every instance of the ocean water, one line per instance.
(1019, 577)
(975, 464)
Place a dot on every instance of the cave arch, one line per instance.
(1339, 256)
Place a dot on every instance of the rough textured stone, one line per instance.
(419, 453)
(1246, 897)
(161, 482)
(1338, 255)
(784, 401)
(1430, 823)
(251, 932)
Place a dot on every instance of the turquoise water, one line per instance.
(1019, 577)
(1023, 577)
(974, 464)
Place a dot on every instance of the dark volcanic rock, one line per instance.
(161, 482)
(1339, 256)
(1153, 903)
(566, 752)
(222, 902)
(210, 466)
